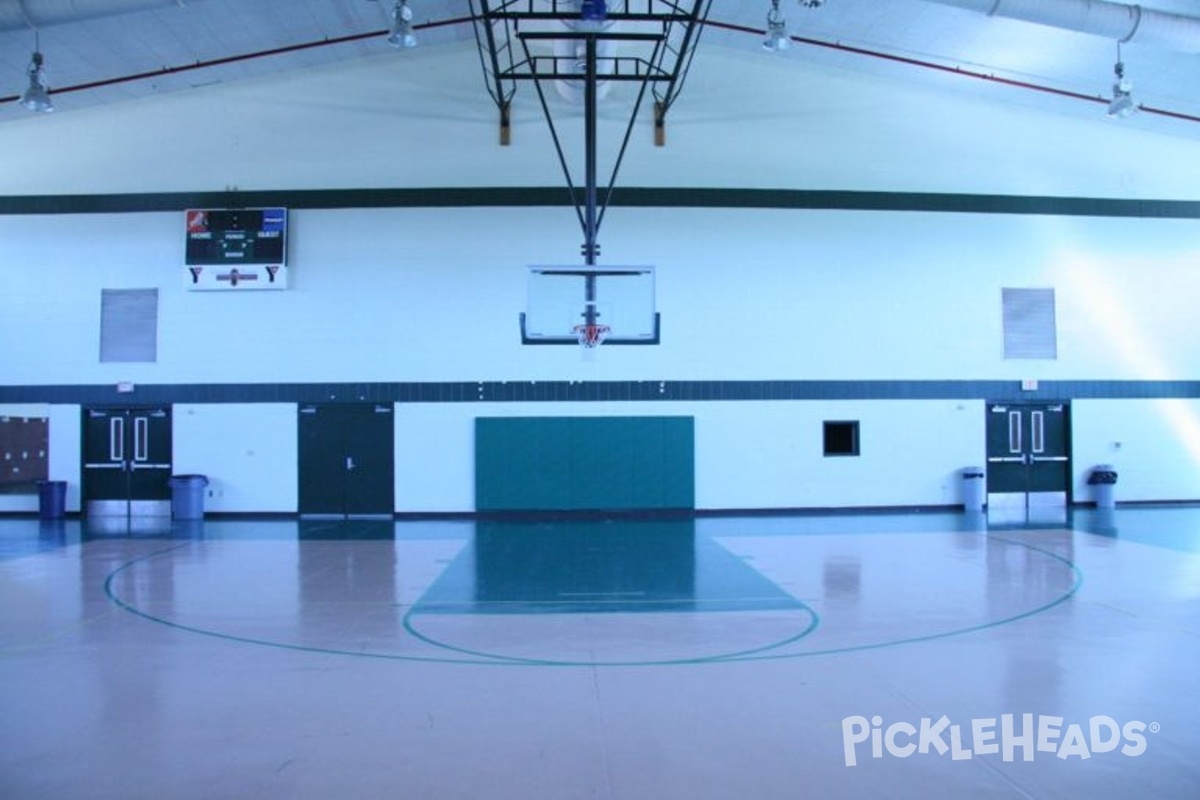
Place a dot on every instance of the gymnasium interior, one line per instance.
(554, 399)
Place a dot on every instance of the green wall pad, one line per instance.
(584, 463)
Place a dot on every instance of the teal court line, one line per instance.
(479, 658)
(1075, 586)
(228, 637)
(814, 622)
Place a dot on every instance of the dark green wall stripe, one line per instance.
(666, 197)
(594, 391)
(288, 198)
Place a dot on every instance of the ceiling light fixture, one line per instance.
(593, 14)
(777, 36)
(37, 96)
(1122, 104)
(401, 34)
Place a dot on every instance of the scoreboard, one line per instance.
(244, 248)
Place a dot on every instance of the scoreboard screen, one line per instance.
(236, 236)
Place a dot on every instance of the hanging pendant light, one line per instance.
(401, 34)
(36, 96)
(777, 36)
(1122, 104)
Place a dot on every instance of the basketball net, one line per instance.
(590, 337)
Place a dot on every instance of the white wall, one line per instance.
(748, 454)
(409, 295)
(744, 295)
(433, 294)
(770, 455)
(247, 452)
(1153, 444)
(66, 450)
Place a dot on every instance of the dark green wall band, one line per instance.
(633, 197)
(595, 391)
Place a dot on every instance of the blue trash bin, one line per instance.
(187, 496)
(52, 499)
(1103, 479)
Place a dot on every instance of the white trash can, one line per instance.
(974, 488)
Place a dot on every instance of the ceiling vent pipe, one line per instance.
(1121, 22)
(38, 14)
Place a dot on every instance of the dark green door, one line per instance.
(346, 460)
(127, 461)
(1027, 449)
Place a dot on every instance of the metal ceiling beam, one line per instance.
(1120, 22)
(36, 14)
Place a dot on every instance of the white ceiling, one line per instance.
(914, 40)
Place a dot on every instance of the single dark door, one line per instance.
(346, 460)
(127, 461)
(1027, 449)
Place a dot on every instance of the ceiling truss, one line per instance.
(504, 30)
(661, 37)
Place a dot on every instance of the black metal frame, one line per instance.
(498, 22)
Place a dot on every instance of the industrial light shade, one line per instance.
(593, 15)
(1122, 104)
(401, 34)
(36, 96)
(777, 36)
(593, 10)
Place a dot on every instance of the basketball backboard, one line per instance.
(562, 298)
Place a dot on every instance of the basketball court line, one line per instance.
(415, 624)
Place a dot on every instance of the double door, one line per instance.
(346, 460)
(1027, 453)
(127, 461)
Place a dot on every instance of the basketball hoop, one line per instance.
(591, 336)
